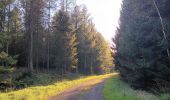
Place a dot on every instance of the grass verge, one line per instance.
(115, 89)
(43, 92)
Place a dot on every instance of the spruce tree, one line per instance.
(65, 43)
(104, 56)
(141, 50)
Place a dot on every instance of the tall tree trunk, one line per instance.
(65, 68)
(9, 17)
(31, 52)
(85, 61)
(77, 70)
(91, 65)
(37, 45)
(31, 39)
(37, 63)
(48, 40)
(7, 47)
(8, 30)
(163, 28)
(48, 55)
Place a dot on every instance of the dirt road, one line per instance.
(89, 90)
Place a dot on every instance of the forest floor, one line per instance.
(102, 87)
(53, 89)
(88, 90)
(116, 89)
(105, 88)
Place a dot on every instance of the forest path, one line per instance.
(88, 90)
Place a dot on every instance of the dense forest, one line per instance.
(49, 36)
(49, 46)
(142, 44)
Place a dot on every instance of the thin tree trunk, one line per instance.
(38, 45)
(31, 52)
(37, 63)
(91, 66)
(31, 40)
(62, 70)
(15, 37)
(7, 51)
(43, 63)
(85, 62)
(65, 69)
(3, 19)
(48, 40)
(7, 45)
(163, 28)
(48, 54)
(77, 70)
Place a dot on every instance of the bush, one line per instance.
(45, 79)
(71, 76)
(165, 97)
(24, 80)
(5, 78)
(4, 70)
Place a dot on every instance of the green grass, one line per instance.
(164, 97)
(115, 89)
(43, 92)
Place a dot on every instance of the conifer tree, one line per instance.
(65, 42)
(104, 56)
(141, 50)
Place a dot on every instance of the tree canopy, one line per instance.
(45, 36)
(141, 45)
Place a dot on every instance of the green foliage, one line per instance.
(64, 48)
(141, 56)
(45, 79)
(6, 70)
(164, 97)
(114, 88)
(104, 56)
(64, 42)
(24, 80)
(5, 58)
(93, 51)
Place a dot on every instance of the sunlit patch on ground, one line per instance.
(43, 92)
